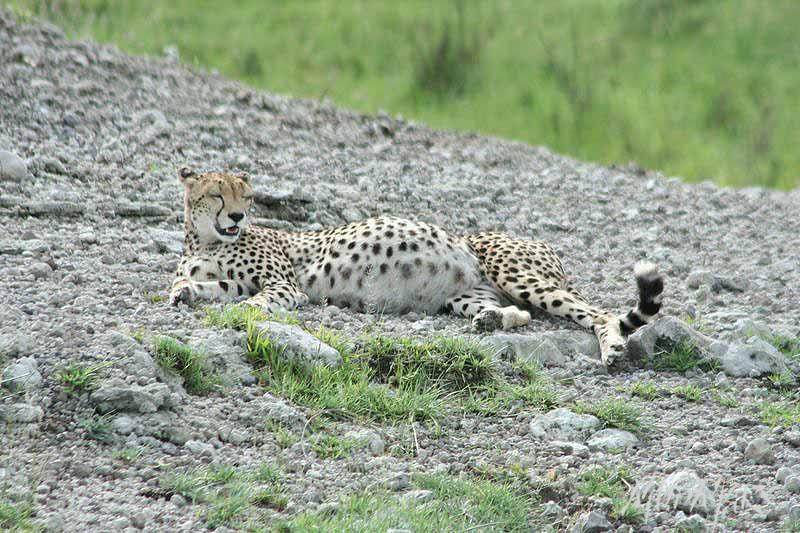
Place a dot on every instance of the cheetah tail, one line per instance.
(651, 285)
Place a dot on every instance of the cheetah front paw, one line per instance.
(183, 294)
(612, 353)
(488, 320)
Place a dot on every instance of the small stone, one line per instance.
(592, 522)
(398, 482)
(12, 167)
(199, 448)
(686, 491)
(691, 524)
(21, 413)
(793, 438)
(612, 440)
(178, 500)
(298, 345)
(418, 496)
(22, 375)
(792, 484)
(760, 452)
(139, 520)
(123, 425)
(563, 424)
(755, 358)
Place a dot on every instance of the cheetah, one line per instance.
(384, 265)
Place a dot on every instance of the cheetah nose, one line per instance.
(236, 217)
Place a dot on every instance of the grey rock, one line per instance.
(200, 448)
(224, 351)
(178, 501)
(792, 484)
(418, 496)
(12, 167)
(283, 413)
(682, 490)
(755, 358)
(14, 344)
(167, 241)
(124, 425)
(21, 413)
(591, 522)
(612, 440)
(231, 435)
(563, 424)
(793, 438)
(760, 452)
(663, 334)
(398, 482)
(299, 346)
(569, 448)
(691, 524)
(121, 397)
(521, 347)
(40, 270)
(22, 375)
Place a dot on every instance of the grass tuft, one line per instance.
(191, 365)
(615, 414)
(689, 392)
(646, 390)
(78, 379)
(98, 428)
(15, 516)
(457, 505)
(681, 357)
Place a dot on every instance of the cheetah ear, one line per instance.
(186, 175)
(244, 176)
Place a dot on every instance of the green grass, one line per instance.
(229, 494)
(699, 89)
(78, 378)
(457, 505)
(239, 316)
(611, 482)
(785, 413)
(646, 390)
(681, 357)
(615, 414)
(16, 516)
(191, 365)
(98, 428)
(725, 399)
(380, 379)
(332, 446)
(689, 392)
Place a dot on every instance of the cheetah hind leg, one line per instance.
(483, 305)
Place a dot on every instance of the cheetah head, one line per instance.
(216, 204)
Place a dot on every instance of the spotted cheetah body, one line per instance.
(383, 265)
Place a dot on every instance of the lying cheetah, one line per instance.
(383, 264)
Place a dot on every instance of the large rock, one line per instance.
(612, 440)
(682, 490)
(563, 424)
(299, 346)
(22, 375)
(550, 348)
(119, 396)
(12, 167)
(224, 350)
(755, 358)
(650, 340)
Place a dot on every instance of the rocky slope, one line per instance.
(89, 237)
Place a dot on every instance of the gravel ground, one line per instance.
(90, 211)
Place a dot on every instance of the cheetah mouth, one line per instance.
(227, 232)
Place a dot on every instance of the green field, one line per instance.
(704, 89)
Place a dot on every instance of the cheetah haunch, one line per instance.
(383, 264)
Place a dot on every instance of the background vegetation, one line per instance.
(704, 89)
